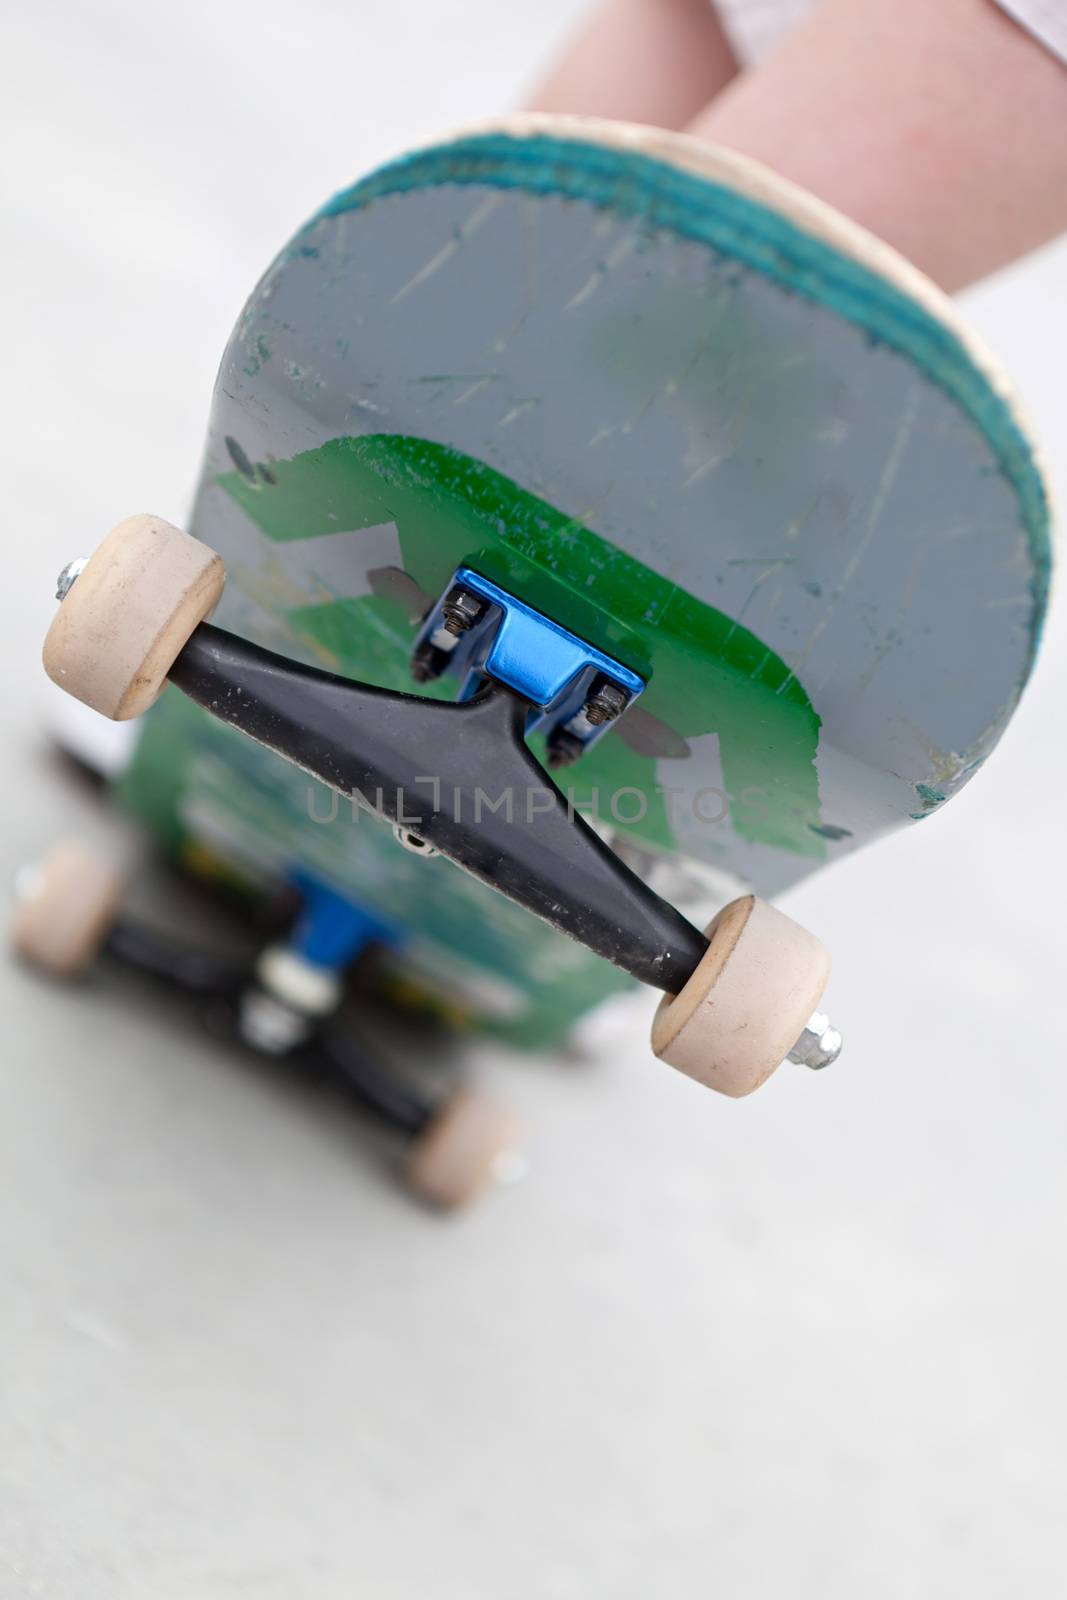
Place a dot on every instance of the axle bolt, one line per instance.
(67, 578)
(819, 1045)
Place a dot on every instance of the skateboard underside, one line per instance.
(680, 421)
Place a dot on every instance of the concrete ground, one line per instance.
(809, 1345)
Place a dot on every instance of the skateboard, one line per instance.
(600, 534)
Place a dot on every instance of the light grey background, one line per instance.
(804, 1345)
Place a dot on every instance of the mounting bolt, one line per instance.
(71, 572)
(563, 750)
(461, 611)
(605, 704)
(426, 662)
(819, 1045)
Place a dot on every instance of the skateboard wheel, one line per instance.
(69, 906)
(124, 621)
(461, 1152)
(747, 1003)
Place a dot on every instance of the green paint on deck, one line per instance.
(931, 798)
(707, 674)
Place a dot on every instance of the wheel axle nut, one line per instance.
(67, 578)
(819, 1045)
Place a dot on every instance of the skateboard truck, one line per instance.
(282, 1005)
(457, 778)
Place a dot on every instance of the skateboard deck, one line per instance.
(687, 412)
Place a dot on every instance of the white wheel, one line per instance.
(748, 1001)
(70, 903)
(124, 620)
(468, 1144)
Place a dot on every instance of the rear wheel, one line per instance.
(67, 906)
(471, 1142)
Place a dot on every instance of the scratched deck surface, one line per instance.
(758, 472)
